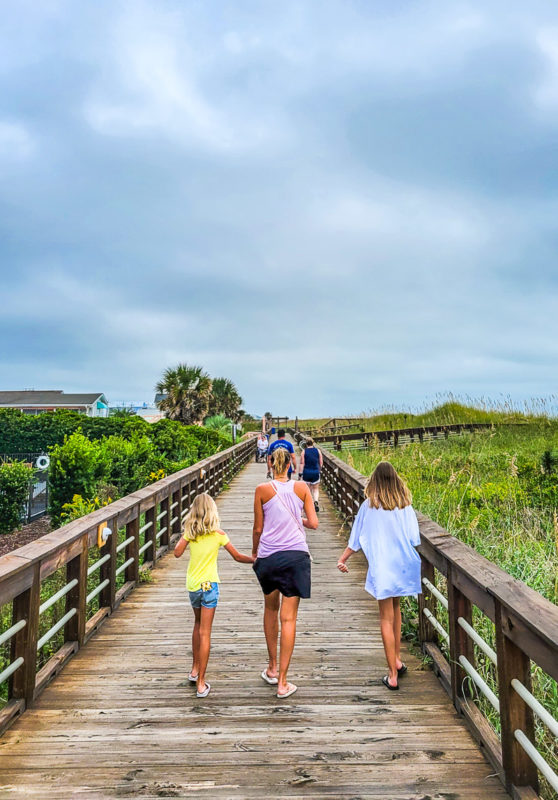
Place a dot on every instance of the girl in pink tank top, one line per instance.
(282, 565)
(282, 528)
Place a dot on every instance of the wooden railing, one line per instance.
(397, 435)
(95, 579)
(526, 633)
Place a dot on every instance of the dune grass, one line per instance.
(446, 410)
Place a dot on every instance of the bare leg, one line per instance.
(289, 611)
(397, 631)
(271, 629)
(388, 638)
(196, 642)
(206, 621)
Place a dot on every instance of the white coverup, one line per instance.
(388, 539)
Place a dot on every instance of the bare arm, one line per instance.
(311, 520)
(293, 461)
(345, 555)
(239, 556)
(180, 547)
(301, 468)
(258, 522)
(321, 459)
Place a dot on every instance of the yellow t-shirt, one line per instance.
(203, 559)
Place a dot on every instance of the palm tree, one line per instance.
(185, 393)
(225, 399)
(221, 424)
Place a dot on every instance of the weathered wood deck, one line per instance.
(120, 721)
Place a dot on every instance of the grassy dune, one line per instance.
(449, 412)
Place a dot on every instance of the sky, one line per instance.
(341, 206)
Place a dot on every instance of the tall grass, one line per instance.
(447, 410)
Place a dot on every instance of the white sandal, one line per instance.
(267, 679)
(192, 678)
(291, 691)
(205, 691)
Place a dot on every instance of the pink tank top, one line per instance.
(282, 528)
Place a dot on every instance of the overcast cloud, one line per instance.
(339, 205)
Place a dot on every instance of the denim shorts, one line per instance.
(207, 599)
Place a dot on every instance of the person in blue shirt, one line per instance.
(281, 442)
(386, 529)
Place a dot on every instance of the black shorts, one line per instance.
(287, 570)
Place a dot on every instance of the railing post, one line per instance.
(165, 537)
(74, 630)
(176, 525)
(426, 600)
(24, 643)
(151, 532)
(108, 569)
(131, 573)
(515, 714)
(460, 643)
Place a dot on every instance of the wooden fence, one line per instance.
(526, 632)
(96, 579)
(398, 435)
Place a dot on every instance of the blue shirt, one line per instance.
(388, 540)
(282, 443)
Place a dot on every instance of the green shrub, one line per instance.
(14, 490)
(80, 506)
(76, 467)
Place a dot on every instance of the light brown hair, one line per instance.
(280, 460)
(385, 489)
(202, 518)
(309, 442)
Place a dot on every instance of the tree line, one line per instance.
(190, 395)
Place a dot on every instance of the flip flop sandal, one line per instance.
(267, 679)
(402, 670)
(205, 691)
(291, 691)
(385, 681)
(192, 678)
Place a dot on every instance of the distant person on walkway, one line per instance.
(282, 563)
(281, 442)
(202, 533)
(262, 444)
(311, 463)
(386, 529)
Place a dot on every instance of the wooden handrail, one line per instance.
(526, 626)
(394, 435)
(162, 504)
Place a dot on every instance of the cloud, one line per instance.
(337, 210)
(15, 141)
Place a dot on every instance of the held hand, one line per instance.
(342, 567)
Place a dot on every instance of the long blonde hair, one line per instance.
(280, 460)
(385, 489)
(202, 518)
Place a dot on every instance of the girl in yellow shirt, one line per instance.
(202, 533)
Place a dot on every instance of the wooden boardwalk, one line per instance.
(120, 721)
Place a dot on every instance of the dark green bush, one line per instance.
(14, 490)
(76, 467)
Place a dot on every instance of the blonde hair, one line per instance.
(202, 518)
(280, 460)
(309, 442)
(385, 489)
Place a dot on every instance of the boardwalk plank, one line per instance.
(119, 721)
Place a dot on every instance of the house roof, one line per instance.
(49, 398)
